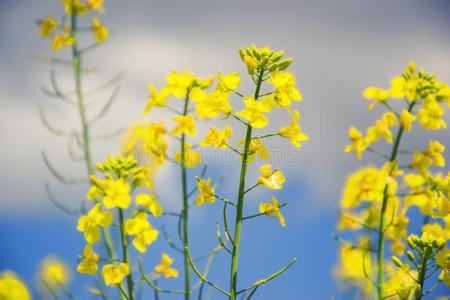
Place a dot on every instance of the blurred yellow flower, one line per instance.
(12, 288)
(48, 25)
(376, 95)
(164, 267)
(185, 125)
(156, 99)
(113, 275)
(434, 151)
(99, 30)
(430, 115)
(143, 232)
(54, 272)
(191, 158)
(406, 120)
(382, 128)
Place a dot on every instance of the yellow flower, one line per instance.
(272, 179)
(436, 230)
(143, 232)
(382, 128)
(48, 25)
(354, 264)
(212, 104)
(443, 261)
(150, 203)
(185, 125)
(113, 275)
(99, 30)
(54, 273)
(12, 288)
(89, 224)
(441, 207)
(89, 260)
(285, 88)
(61, 40)
(406, 120)
(294, 131)
(156, 99)
(96, 5)
(191, 158)
(359, 143)
(217, 138)
(401, 88)
(430, 115)
(229, 81)
(272, 209)
(207, 193)
(401, 282)
(117, 194)
(147, 141)
(254, 111)
(418, 195)
(421, 162)
(75, 6)
(375, 94)
(434, 151)
(179, 83)
(256, 148)
(164, 267)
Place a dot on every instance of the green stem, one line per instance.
(240, 203)
(187, 268)
(421, 279)
(381, 228)
(76, 61)
(123, 240)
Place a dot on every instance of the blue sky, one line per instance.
(339, 48)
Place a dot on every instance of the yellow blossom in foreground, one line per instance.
(272, 209)
(207, 193)
(401, 88)
(285, 88)
(376, 95)
(256, 148)
(443, 261)
(113, 275)
(421, 162)
(294, 131)
(272, 179)
(354, 264)
(89, 224)
(164, 267)
(185, 125)
(430, 115)
(143, 232)
(401, 282)
(54, 273)
(213, 104)
(89, 260)
(229, 81)
(436, 230)
(434, 151)
(150, 203)
(217, 138)
(12, 288)
(191, 158)
(99, 30)
(48, 25)
(156, 99)
(179, 83)
(359, 142)
(406, 120)
(117, 194)
(254, 111)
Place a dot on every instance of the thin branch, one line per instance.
(57, 174)
(106, 107)
(51, 197)
(260, 214)
(169, 241)
(152, 284)
(267, 279)
(52, 129)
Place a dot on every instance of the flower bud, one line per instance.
(410, 256)
(284, 64)
(397, 261)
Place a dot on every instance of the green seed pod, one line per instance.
(397, 261)
(277, 56)
(410, 256)
(273, 67)
(242, 53)
(284, 64)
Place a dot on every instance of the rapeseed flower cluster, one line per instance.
(377, 202)
(63, 34)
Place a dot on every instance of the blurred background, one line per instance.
(338, 47)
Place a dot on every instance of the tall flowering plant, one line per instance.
(378, 203)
